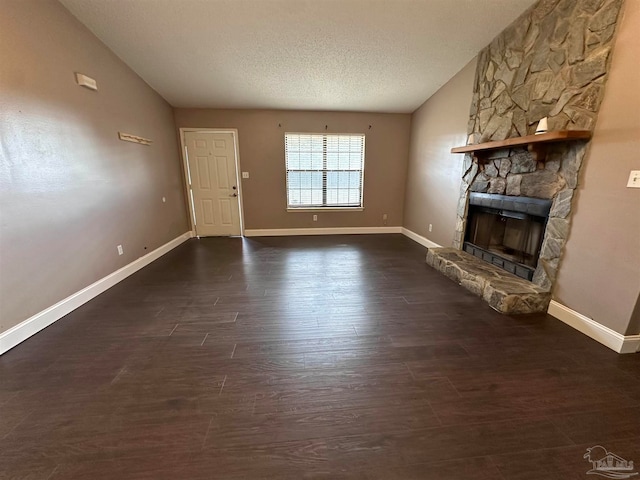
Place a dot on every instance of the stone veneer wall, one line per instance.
(551, 62)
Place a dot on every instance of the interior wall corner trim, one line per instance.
(41, 320)
(425, 242)
(287, 232)
(600, 333)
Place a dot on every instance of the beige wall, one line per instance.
(261, 144)
(634, 323)
(433, 177)
(70, 191)
(600, 272)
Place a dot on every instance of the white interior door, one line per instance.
(213, 183)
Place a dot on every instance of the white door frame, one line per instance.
(185, 171)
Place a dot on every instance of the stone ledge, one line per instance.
(503, 291)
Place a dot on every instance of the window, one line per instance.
(324, 170)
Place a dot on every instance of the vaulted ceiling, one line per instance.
(345, 55)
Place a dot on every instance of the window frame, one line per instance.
(325, 208)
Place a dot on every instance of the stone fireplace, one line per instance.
(514, 209)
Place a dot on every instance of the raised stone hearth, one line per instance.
(503, 291)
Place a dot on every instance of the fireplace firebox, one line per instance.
(507, 231)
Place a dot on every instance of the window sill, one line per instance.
(326, 209)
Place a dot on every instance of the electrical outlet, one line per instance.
(384, 219)
(120, 250)
(430, 227)
(315, 218)
(164, 199)
(634, 179)
(245, 174)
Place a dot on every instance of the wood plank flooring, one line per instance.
(339, 357)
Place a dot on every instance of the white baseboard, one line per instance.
(610, 338)
(285, 232)
(19, 333)
(425, 242)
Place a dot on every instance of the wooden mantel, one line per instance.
(536, 144)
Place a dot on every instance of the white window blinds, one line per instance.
(324, 170)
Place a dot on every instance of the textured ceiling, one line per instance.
(354, 55)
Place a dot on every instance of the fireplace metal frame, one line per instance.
(513, 207)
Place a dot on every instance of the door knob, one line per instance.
(233, 195)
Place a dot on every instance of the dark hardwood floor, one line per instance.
(340, 357)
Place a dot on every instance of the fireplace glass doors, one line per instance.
(507, 231)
